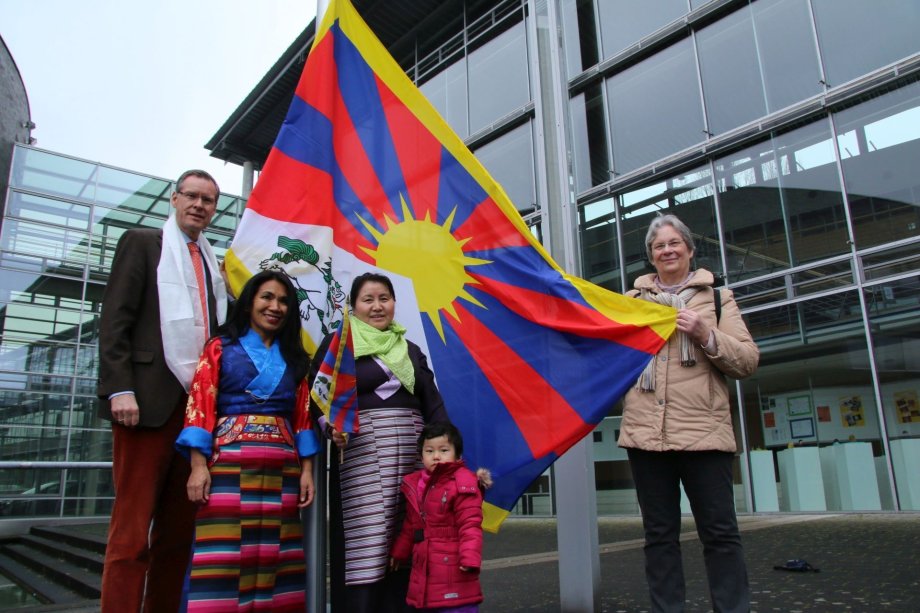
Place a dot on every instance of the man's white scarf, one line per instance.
(181, 318)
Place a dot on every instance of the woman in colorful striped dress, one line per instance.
(250, 440)
(397, 395)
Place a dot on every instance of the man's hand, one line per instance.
(199, 480)
(125, 410)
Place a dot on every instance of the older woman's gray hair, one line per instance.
(667, 220)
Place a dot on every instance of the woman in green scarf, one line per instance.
(397, 396)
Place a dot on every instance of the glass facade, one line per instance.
(784, 134)
(807, 209)
(62, 221)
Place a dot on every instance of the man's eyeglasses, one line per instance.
(193, 196)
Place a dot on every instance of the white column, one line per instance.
(248, 179)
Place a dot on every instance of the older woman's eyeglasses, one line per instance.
(672, 244)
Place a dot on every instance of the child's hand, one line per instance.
(485, 478)
(468, 569)
(394, 564)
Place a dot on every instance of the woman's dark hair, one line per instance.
(441, 428)
(288, 336)
(369, 277)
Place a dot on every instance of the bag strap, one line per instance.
(717, 300)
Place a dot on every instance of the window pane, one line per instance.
(624, 22)
(58, 247)
(509, 159)
(788, 56)
(655, 108)
(690, 197)
(447, 92)
(880, 145)
(781, 203)
(757, 60)
(893, 261)
(599, 252)
(498, 77)
(590, 138)
(579, 35)
(53, 174)
(48, 211)
(118, 188)
(814, 387)
(896, 345)
(857, 37)
(732, 81)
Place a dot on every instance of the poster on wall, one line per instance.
(802, 428)
(775, 425)
(798, 405)
(907, 406)
(824, 414)
(851, 412)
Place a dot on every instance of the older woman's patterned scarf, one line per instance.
(646, 381)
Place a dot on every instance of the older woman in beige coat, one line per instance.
(677, 425)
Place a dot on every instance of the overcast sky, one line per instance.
(144, 84)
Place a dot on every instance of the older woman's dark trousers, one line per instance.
(707, 480)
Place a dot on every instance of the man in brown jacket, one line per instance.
(158, 308)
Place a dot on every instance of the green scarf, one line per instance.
(389, 345)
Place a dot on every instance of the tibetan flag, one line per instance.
(366, 176)
(335, 388)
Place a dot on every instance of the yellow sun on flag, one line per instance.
(429, 255)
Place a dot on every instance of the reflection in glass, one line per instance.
(857, 37)
(690, 197)
(627, 21)
(786, 50)
(814, 387)
(781, 203)
(30, 442)
(589, 133)
(20, 408)
(896, 345)
(655, 108)
(498, 82)
(757, 60)
(729, 66)
(509, 159)
(126, 190)
(896, 260)
(59, 248)
(879, 144)
(48, 210)
(36, 493)
(599, 253)
(579, 35)
(446, 90)
(53, 174)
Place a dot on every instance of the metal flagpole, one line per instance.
(315, 516)
(574, 493)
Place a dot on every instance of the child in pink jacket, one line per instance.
(443, 527)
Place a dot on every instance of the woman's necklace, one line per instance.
(673, 289)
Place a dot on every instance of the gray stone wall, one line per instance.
(15, 119)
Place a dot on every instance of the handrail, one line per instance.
(62, 465)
